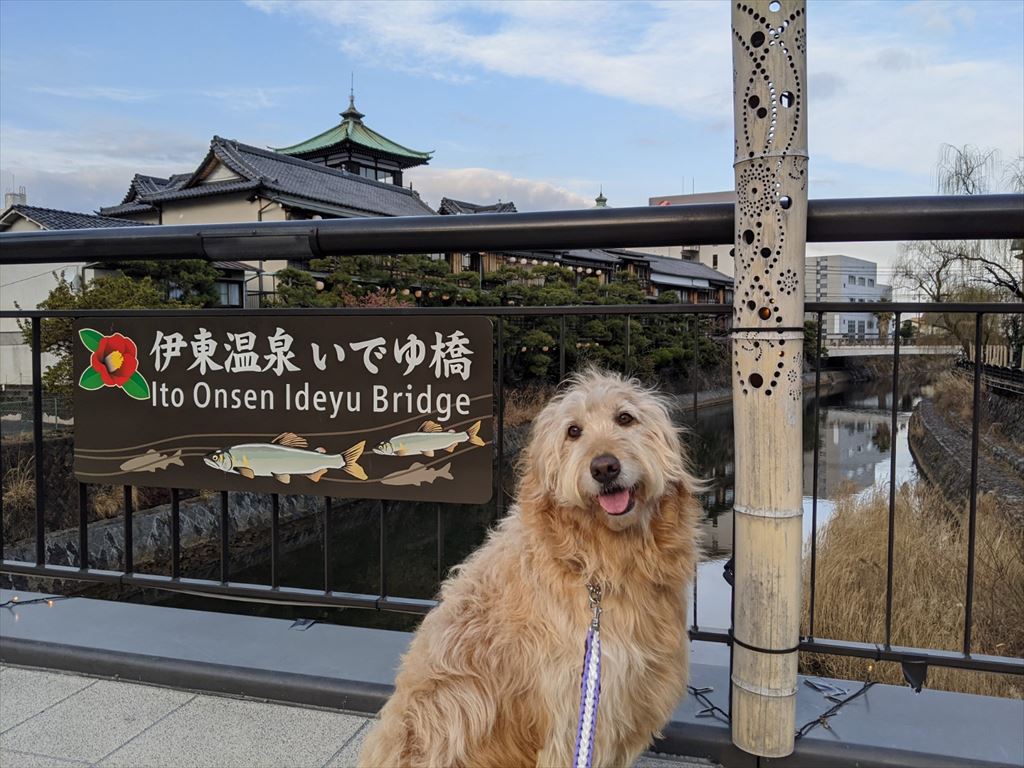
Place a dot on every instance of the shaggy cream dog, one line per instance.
(492, 677)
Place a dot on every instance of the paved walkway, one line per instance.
(56, 720)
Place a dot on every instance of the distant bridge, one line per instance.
(875, 349)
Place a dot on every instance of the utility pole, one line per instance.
(770, 109)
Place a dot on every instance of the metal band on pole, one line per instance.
(770, 109)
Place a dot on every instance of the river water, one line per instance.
(854, 431)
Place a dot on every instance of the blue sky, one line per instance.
(541, 103)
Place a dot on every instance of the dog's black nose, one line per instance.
(605, 468)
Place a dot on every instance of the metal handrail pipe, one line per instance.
(988, 308)
(981, 217)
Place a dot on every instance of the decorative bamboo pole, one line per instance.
(770, 108)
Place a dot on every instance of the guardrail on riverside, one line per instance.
(836, 220)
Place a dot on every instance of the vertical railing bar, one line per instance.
(696, 569)
(892, 483)
(328, 569)
(695, 365)
(500, 437)
(973, 508)
(83, 526)
(175, 534)
(129, 545)
(382, 576)
(225, 564)
(440, 543)
(37, 439)
(561, 347)
(626, 366)
(814, 477)
(275, 516)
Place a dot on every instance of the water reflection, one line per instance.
(855, 439)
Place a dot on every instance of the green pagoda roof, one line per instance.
(354, 130)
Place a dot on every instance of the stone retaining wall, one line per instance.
(943, 453)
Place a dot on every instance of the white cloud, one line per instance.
(486, 186)
(231, 97)
(96, 93)
(884, 96)
(82, 170)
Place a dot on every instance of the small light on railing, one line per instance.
(522, 349)
(534, 262)
(544, 349)
(579, 269)
(589, 270)
(405, 291)
(15, 599)
(319, 285)
(49, 603)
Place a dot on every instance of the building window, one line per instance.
(871, 282)
(230, 294)
(714, 261)
(851, 280)
(860, 281)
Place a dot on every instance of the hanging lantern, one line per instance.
(589, 270)
(319, 285)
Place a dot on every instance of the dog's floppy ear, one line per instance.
(540, 474)
(666, 444)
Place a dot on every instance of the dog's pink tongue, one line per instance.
(614, 503)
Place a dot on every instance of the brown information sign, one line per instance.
(356, 407)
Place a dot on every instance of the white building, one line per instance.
(850, 280)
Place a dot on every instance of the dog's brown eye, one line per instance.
(625, 419)
(574, 432)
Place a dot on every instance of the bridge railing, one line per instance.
(915, 218)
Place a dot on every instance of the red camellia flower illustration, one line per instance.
(115, 359)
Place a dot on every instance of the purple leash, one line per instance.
(590, 685)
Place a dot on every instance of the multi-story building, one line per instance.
(852, 281)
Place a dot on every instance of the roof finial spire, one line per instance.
(601, 201)
(352, 113)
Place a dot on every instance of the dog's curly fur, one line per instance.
(492, 677)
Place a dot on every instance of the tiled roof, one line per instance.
(51, 218)
(273, 173)
(455, 207)
(353, 129)
(665, 265)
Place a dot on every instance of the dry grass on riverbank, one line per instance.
(522, 405)
(930, 569)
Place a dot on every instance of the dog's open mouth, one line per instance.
(616, 500)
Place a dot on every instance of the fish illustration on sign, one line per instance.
(430, 438)
(418, 474)
(151, 461)
(287, 455)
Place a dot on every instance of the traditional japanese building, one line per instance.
(240, 182)
(355, 147)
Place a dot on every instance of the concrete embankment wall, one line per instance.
(942, 451)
